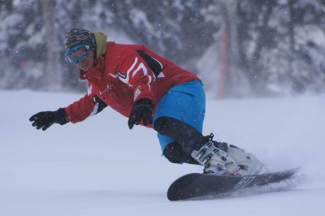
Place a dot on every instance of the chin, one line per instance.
(86, 68)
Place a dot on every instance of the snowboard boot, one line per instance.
(247, 162)
(233, 161)
(215, 160)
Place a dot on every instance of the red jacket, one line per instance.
(125, 74)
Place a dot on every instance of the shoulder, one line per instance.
(122, 51)
(112, 46)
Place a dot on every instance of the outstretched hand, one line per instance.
(44, 120)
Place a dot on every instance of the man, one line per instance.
(151, 91)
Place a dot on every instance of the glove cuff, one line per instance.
(144, 102)
(60, 116)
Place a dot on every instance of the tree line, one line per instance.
(277, 46)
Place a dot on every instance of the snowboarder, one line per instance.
(151, 91)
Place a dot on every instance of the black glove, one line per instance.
(45, 119)
(142, 110)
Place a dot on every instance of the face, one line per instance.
(87, 63)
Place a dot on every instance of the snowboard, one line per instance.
(196, 185)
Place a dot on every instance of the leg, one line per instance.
(184, 134)
(202, 149)
(179, 119)
(174, 153)
(222, 159)
(185, 103)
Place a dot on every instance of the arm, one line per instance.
(45, 119)
(85, 107)
(76, 112)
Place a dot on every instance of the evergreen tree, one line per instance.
(21, 32)
(278, 44)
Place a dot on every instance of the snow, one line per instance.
(100, 167)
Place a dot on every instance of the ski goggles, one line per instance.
(77, 53)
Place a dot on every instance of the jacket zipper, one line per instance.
(112, 94)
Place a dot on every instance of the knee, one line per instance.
(173, 152)
(160, 123)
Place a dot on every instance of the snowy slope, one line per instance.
(100, 167)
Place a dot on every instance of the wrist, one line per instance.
(144, 102)
(60, 116)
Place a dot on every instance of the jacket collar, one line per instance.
(101, 43)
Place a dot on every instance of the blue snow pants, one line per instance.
(185, 102)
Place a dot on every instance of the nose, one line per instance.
(80, 62)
